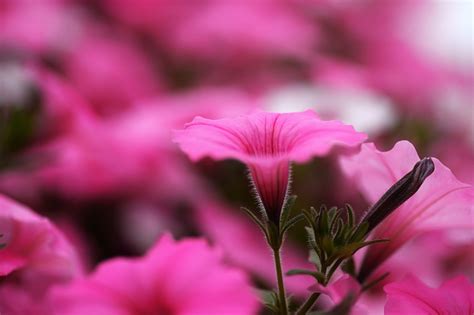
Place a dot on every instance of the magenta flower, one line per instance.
(411, 296)
(266, 143)
(176, 278)
(32, 244)
(442, 202)
(35, 256)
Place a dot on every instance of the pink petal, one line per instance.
(185, 277)
(411, 296)
(33, 244)
(266, 142)
(263, 136)
(442, 202)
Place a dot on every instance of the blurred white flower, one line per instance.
(365, 110)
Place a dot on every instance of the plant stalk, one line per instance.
(281, 284)
(308, 304)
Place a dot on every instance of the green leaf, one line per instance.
(314, 259)
(352, 248)
(360, 232)
(290, 223)
(328, 245)
(311, 237)
(320, 277)
(255, 219)
(309, 218)
(273, 235)
(339, 235)
(333, 222)
(286, 211)
(350, 215)
(270, 300)
(315, 213)
(323, 221)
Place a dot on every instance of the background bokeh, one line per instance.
(91, 90)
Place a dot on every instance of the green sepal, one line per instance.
(350, 215)
(274, 238)
(270, 300)
(286, 211)
(351, 249)
(360, 232)
(328, 245)
(333, 220)
(290, 223)
(314, 259)
(254, 218)
(323, 221)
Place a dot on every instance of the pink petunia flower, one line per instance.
(442, 202)
(97, 58)
(411, 296)
(32, 242)
(185, 277)
(266, 143)
(35, 256)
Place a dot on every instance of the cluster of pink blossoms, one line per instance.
(188, 276)
(101, 213)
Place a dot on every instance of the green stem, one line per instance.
(281, 284)
(308, 304)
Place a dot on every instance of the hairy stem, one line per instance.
(281, 284)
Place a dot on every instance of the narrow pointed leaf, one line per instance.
(314, 259)
(254, 218)
(320, 277)
(350, 215)
(286, 211)
(291, 222)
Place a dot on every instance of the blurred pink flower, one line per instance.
(35, 256)
(96, 59)
(38, 27)
(32, 243)
(233, 32)
(458, 154)
(411, 296)
(226, 33)
(266, 143)
(129, 154)
(433, 257)
(64, 109)
(442, 202)
(184, 277)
